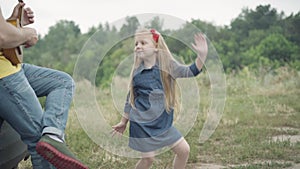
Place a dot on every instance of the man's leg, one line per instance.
(58, 87)
(21, 109)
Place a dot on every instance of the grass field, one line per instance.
(260, 127)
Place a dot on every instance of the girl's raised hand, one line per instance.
(200, 45)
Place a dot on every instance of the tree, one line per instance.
(130, 27)
(156, 23)
(261, 19)
(291, 28)
(276, 47)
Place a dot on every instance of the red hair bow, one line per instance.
(155, 35)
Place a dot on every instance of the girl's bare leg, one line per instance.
(182, 150)
(146, 161)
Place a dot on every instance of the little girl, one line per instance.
(151, 100)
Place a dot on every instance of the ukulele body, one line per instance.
(14, 55)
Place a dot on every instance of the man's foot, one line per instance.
(58, 154)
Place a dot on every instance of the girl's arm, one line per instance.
(121, 126)
(200, 45)
(125, 118)
(182, 71)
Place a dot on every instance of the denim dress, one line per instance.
(150, 124)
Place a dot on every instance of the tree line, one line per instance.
(260, 38)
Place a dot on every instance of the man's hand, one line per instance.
(28, 16)
(32, 37)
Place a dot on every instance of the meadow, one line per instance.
(259, 128)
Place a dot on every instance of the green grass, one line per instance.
(257, 108)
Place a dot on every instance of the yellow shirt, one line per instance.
(6, 68)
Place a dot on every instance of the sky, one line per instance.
(90, 13)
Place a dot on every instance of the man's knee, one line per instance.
(68, 80)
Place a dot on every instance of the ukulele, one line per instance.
(15, 55)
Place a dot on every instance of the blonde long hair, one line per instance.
(164, 59)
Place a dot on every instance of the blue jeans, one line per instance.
(20, 107)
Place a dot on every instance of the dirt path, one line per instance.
(216, 166)
(206, 166)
